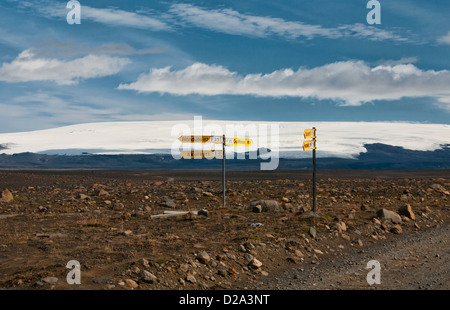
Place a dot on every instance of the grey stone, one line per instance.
(49, 280)
(248, 257)
(191, 279)
(203, 257)
(167, 202)
(203, 212)
(267, 205)
(312, 232)
(147, 276)
(389, 215)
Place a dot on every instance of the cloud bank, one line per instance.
(352, 82)
(27, 67)
(232, 22)
(445, 39)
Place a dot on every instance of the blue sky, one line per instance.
(316, 60)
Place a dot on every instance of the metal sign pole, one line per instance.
(223, 171)
(314, 173)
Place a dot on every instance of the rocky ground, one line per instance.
(266, 238)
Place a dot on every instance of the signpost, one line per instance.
(201, 154)
(311, 145)
(215, 139)
(213, 153)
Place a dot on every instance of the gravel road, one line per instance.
(413, 261)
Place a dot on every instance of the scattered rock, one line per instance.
(312, 232)
(257, 209)
(222, 272)
(143, 262)
(202, 212)
(127, 233)
(169, 203)
(396, 229)
(364, 207)
(203, 257)
(439, 188)
(147, 276)
(102, 280)
(389, 215)
(255, 264)
(248, 257)
(102, 192)
(253, 225)
(118, 206)
(267, 205)
(340, 226)
(303, 209)
(345, 236)
(358, 242)
(294, 260)
(84, 197)
(407, 211)
(209, 194)
(191, 279)
(49, 280)
(7, 196)
(131, 283)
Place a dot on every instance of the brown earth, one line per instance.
(103, 220)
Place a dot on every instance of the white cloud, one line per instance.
(232, 22)
(353, 82)
(444, 103)
(27, 67)
(110, 16)
(122, 18)
(445, 39)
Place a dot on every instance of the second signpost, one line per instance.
(213, 153)
(311, 145)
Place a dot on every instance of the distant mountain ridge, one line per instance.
(378, 156)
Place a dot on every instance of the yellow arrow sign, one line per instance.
(202, 154)
(194, 139)
(215, 139)
(238, 141)
(309, 145)
(310, 133)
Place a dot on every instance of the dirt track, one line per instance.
(104, 220)
(410, 262)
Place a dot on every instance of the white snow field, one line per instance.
(334, 139)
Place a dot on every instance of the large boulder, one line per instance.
(389, 215)
(267, 205)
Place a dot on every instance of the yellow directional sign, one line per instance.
(309, 145)
(215, 139)
(194, 139)
(238, 141)
(202, 154)
(310, 133)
